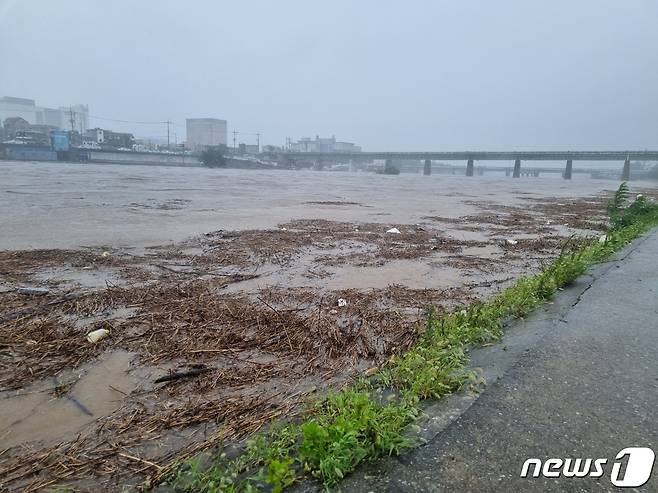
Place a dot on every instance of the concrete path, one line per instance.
(581, 382)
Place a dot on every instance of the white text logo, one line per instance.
(638, 465)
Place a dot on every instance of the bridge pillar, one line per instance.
(567, 170)
(469, 167)
(427, 170)
(626, 173)
(517, 169)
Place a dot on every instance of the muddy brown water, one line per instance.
(53, 205)
(37, 414)
(127, 210)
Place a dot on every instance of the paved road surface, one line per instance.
(586, 386)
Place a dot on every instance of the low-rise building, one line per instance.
(110, 139)
(323, 144)
(19, 131)
(248, 149)
(96, 135)
(13, 125)
(119, 140)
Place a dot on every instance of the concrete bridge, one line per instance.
(471, 156)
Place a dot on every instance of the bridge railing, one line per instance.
(471, 156)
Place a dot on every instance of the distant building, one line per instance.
(38, 115)
(150, 144)
(13, 125)
(248, 149)
(95, 135)
(108, 138)
(32, 137)
(205, 132)
(118, 140)
(49, 116)
(44, 129)
(18, 130)
(11, 107)
(346, 147)
(321, 144)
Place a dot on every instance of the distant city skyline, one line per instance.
(386, 75)
(76, 117)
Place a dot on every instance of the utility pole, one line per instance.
(71, 119)
(235, 134)
(258, 141)
(168, 147)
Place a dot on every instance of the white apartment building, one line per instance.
(39, 115)
(205, 132)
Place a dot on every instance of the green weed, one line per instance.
(349, 427)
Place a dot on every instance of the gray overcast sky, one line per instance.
(390, 75)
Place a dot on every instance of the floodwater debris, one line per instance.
(394, 231)
(254, 336)
(342, 302)
(33, 291)
(180, 375)
(97, 335)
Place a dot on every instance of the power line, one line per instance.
(36, 110)
(126, 121)
(139, 122)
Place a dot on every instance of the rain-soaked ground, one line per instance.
(229, 297)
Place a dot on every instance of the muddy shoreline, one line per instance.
(260, 319)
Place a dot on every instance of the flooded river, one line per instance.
(265, 286)
(53, 205)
